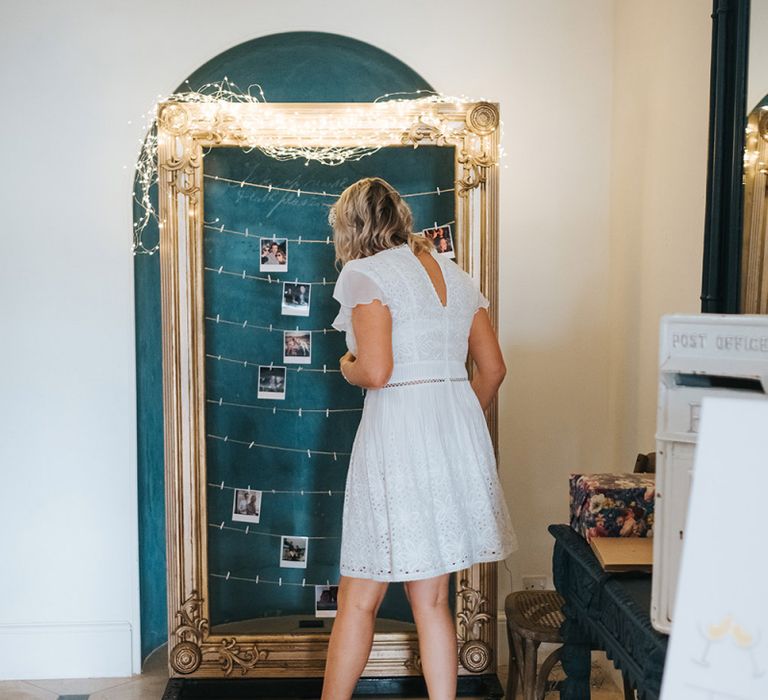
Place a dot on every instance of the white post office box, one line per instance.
(704, 355)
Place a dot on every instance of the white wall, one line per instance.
(556, 104)
(757, 83)
(573, 227)
(658, 198)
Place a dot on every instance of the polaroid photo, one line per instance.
(271, 382)
(297, 347)
(325, 601)
(246, 507)
(442, 237)
(274, 255)
(293, 551)
(296, 298)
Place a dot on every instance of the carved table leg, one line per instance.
(576, 662)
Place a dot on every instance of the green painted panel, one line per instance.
(245, 309)
(311, 67)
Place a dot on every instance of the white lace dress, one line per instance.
(422, 494)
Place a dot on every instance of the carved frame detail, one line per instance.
(184, 131)
(754, 253)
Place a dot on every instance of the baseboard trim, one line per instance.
(72, 650)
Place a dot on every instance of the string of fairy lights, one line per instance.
(226, 91)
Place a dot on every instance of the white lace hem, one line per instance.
(430, 573)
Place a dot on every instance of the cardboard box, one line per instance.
(619, 554)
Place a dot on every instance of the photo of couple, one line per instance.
(293, 552)
(326, 601)
(297, 347)
(296, 298)
(247, 506)
(442, 237)
(271, 382)
(274, 255)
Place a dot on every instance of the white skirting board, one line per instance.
(74, 650)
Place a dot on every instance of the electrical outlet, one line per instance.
(534, 583)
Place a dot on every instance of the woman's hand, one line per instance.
(344, 361)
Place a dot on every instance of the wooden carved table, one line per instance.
(604, 611)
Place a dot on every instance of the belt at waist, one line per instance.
(409, 382)
(432, 370)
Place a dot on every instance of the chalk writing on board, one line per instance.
(272, 201)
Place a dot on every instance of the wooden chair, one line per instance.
(645, 464)
(534, 617)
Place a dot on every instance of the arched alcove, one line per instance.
(290, 67)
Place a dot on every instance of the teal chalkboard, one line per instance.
(291, 67)
(290, 451)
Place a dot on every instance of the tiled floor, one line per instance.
(151, 683)
(148, 686)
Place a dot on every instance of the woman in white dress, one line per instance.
(422, 496)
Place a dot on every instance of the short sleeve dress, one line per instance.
(422, 494)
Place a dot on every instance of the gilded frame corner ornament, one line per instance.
(185, 130)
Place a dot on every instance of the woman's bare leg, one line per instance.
(437, 635)
(351, 638)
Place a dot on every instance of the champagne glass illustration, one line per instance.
(744, 640)
(713, 633)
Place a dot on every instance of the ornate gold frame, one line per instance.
(754, 258)
(184, 130)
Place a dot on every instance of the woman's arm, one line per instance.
(372, 326)
(486, 354)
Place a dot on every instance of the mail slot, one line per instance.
(699, 356)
